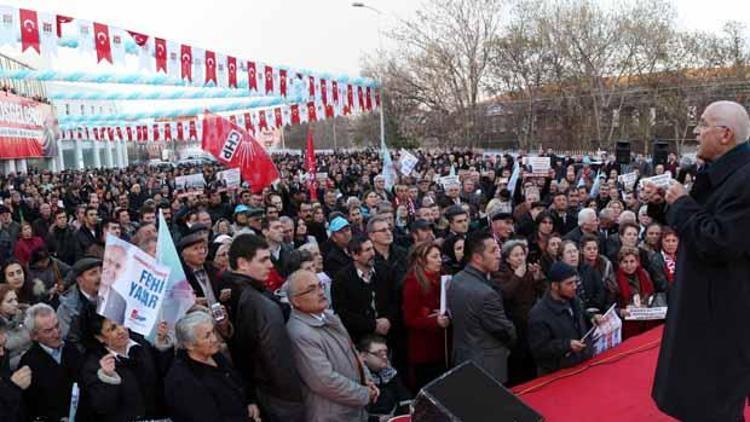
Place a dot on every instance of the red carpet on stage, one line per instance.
(614, 386)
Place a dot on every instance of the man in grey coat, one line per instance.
(334, 383)
(482, 332)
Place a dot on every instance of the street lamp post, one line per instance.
(380, 47)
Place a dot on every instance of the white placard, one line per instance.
(132, 286)
(445, 282)
(628, 180)
(190, 181)
(446, 181)
(231, 177)
(539, 165)
(661, 181)
(645, 314)
(408, 162)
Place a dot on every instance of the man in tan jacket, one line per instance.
(334, 384)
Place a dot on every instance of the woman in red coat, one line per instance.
(26, 244)
(635, 288)
(424, 325)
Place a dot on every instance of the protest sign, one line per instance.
(132, 286)
(231, 178)
(645, 314)
(445, 282)
(608, 333)
(408, 162)
(190, 181)
(628, 180)
(661, 181)
(539, 165)
(447, 181)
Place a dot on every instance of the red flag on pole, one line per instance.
(252, 80)
(311, 167)
(236, 148)
(60, 21)
(210, 67)
(269, 79)
(103, 47)
(282, 82)
(29, 30)
(161, 54)
(232, 74)
(311, 114)
(295, 114)
(186, 58)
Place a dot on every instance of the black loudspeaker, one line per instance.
(661, 151)
(467, 393)
(622, 152)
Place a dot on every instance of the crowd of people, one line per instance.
(323, 303)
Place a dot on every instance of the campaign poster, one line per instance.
(608, 333)
(132, 286)
(28, 128)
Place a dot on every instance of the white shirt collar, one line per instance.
(130, 345)
(361, 274)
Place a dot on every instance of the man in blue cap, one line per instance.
(336, 256)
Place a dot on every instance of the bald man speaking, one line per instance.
(703, 372)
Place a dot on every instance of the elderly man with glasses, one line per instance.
(333, 377)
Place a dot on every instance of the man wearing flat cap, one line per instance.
(202, 278)
(86, 273)
(501, 225)
(557, 323)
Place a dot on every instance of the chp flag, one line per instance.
(236, 148)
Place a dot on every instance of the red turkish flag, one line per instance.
(210, 67)
(236, 148)
(86, 129)
(329, 111)
(311, 167)
(193, 132)
(138, 133)
(233, 119)
(161, 54)
(186, 59)
(311, 115)
(60, 21)
(262, 123)
(180, 132)
(96, 133)
(111, 133)
(282, 82)
(119, 132)
(360, 98)
(323, 92)
(101, 39)
(249, 123)
(232, 71)
(277, 119)
(311, 85)
(335, 89)
(377, 98)
(295, 114)
(349, 97)
(368, 99)
(156, 132)
(167, 132)
(129, 131)
(29, 30)
(138, 38)
(252, 80)
(268, 76)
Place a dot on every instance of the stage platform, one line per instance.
(614, 386)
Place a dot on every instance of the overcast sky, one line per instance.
(323, 35)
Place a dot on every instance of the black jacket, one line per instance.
(84, 240)
(212, 277)
(261, 349)
(48, 396)
(595, 292)
(61, 244)
(196, 392)
(11, 404)
(564, 224)
(551, 327)
(139, 395)
(353, 299)
(335, 258)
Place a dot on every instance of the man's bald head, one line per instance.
(732, 115)
(723, 125)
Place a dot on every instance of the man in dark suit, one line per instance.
(54, 365)
(88, 234)
(273, 232)
(482, 332)
(564, 219)
(362, 294)
(703, 372)
(202, 278)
